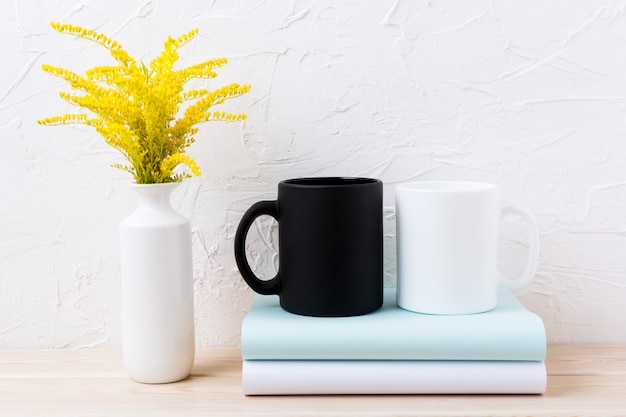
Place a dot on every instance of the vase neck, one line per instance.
(154, 195)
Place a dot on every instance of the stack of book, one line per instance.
(393, 351)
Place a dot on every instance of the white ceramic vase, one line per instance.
(157, 288)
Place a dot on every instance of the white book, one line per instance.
(393, 377)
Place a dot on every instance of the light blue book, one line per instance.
(508, 332)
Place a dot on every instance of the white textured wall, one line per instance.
(530, 95)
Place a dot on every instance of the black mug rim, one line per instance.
(326, 182)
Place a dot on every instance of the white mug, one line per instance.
(447, 246)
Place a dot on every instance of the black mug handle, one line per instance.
(272, 286)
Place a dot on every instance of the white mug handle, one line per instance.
(533, 248)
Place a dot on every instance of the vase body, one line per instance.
(157, 288)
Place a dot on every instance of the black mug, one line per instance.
(330, 246)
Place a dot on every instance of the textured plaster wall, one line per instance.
(529, 95)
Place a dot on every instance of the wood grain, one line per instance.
(582, 380)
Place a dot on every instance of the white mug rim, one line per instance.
(446, 186)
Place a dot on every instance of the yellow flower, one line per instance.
(170, 163)
(137, 107)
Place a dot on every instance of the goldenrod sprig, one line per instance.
(137, 107)
(114, 47)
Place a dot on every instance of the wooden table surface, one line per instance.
(582, 380)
